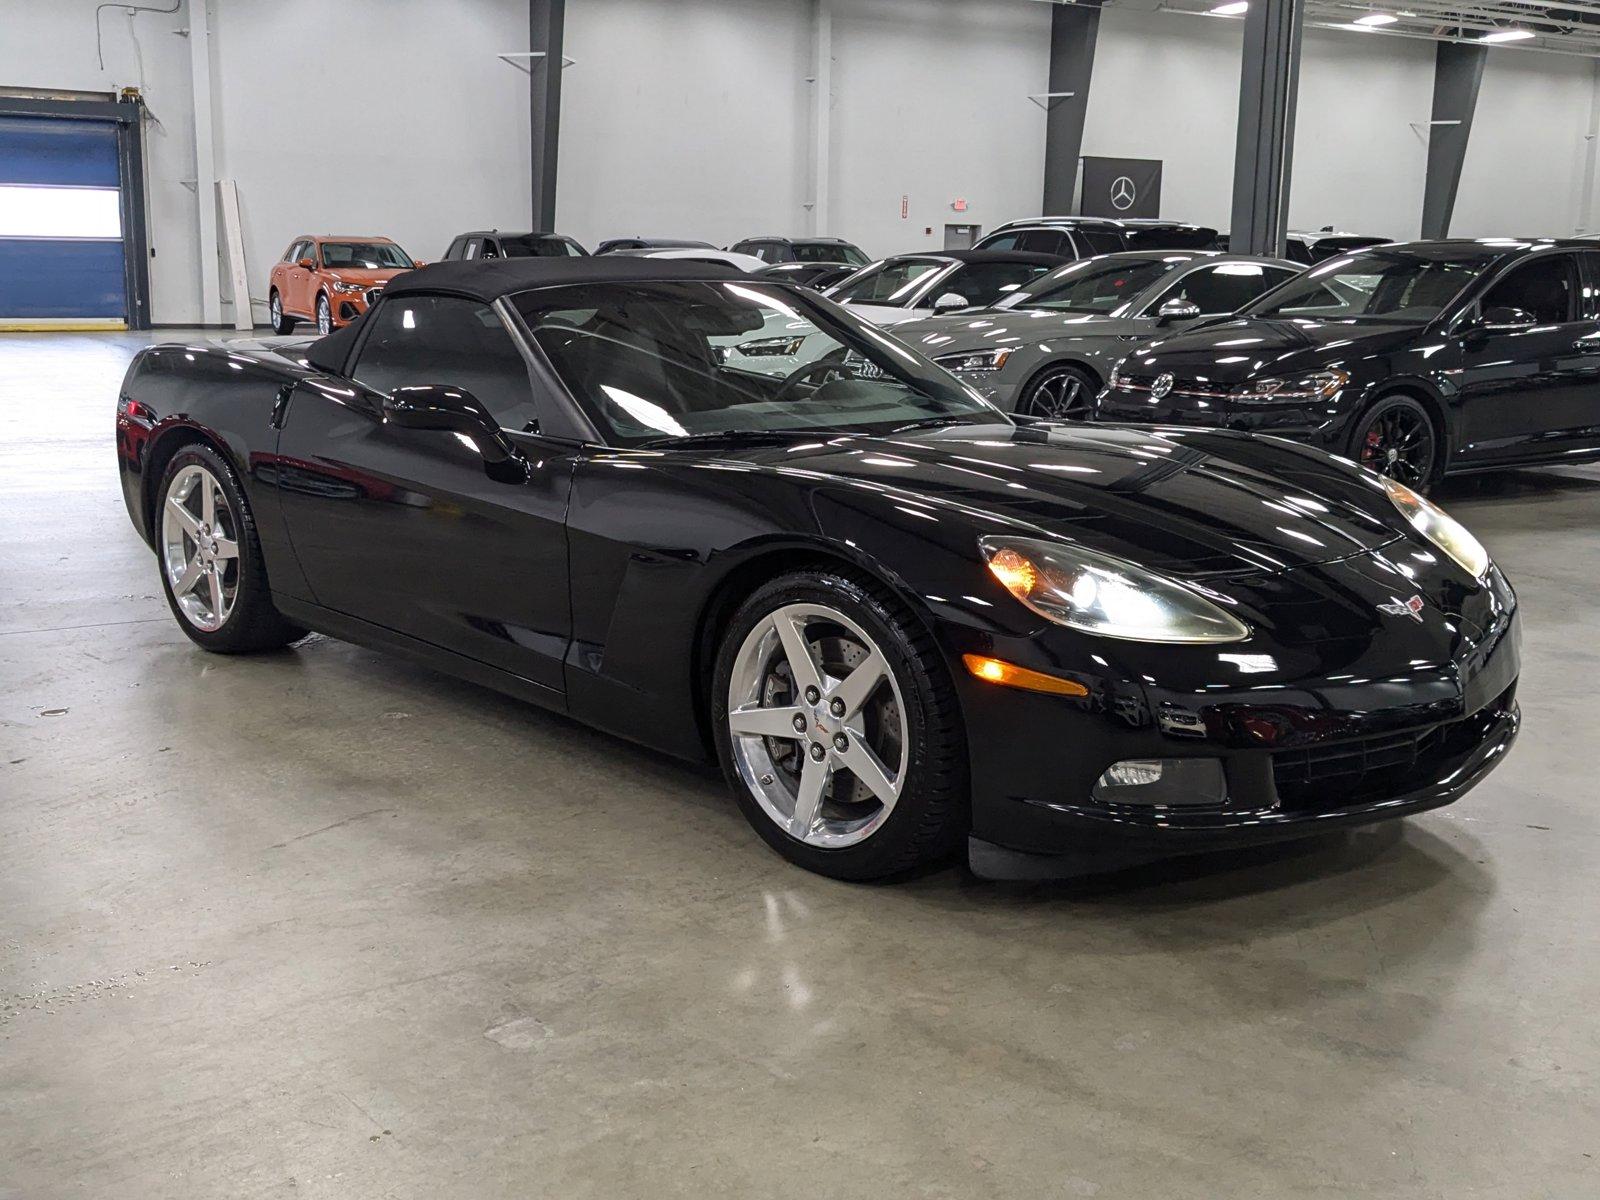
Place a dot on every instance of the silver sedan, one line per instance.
(1045, 350)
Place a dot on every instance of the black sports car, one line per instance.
(1415, 359)
(896, 616)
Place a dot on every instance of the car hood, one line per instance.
(1186, 502)
(882, 314)
(990, 327)
(1248, 347)
(364, 277)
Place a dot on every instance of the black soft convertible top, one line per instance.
(489, 279)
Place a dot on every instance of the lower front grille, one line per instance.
(1365, 770)
(373, 294)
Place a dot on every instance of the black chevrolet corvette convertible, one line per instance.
(898, 618)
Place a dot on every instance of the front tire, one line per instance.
(324, 315)
(837, 726)
(1397, 437)
(280, 323)
(1059, 394)
(210, 558)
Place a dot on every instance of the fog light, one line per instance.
(1167, 782)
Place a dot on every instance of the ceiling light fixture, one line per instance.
(1507, 35)
(1373, 20)
(1235, 8)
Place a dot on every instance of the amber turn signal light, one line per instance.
(992, 670)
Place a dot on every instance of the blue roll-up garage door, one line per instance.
(61, 250)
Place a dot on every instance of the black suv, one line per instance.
(1084, 237)
(492, 243)
(806, 250)
(1415, 359)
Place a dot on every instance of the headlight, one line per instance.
(975, 360)
(1096, 593)
(340, 286)
(1440, 528)
(773, 347)
(1318, 385)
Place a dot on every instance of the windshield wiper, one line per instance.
(721, 435)
(931, 423)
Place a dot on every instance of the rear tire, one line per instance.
(1059, 394)
(209, 558)
(874, 783)
(275, 314)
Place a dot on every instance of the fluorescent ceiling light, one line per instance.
(1507, 35)
(1373, 20)
(1235, 8)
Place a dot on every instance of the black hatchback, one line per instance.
(1415, 359)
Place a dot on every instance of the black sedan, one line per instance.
(1415, 359)
(896, 617)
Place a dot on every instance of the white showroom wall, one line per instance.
(388, 117)
(931, 103)
(52, 45)
(1524, 168)
(686, 119)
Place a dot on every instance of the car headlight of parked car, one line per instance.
(772, 347)
(1440, 528)
(1318, 385)
(1097, 593)
(975, 360)
(341, 286)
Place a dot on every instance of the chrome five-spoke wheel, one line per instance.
(817, 725)
(200, 547)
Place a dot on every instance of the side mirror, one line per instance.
(1177, 310)
(441, 408)
(1504, 320)
(305, 264)
(949, 301)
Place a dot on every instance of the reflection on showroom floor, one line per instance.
(328, 917)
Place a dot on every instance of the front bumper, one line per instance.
(347, 306)
(1368, 740)
(1322, 425)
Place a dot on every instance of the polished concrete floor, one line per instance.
(324, 924)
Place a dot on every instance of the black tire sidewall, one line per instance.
(1032, 387)
(253, 621)
(1382, 405)
(930, 815)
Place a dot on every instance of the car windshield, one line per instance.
(891, 282)
(829, 252)
(659, 362)
(1376, 286)
(534, 245)
(365, 256)
(1093, 286)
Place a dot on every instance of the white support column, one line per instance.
(205, 165)
(1586, 213)
(821, 112)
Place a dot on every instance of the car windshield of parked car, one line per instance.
(981, 284)
(535, 246)
(1094, 286)
(829, 252)
(891, 282)
(651, 362)
(365, 256)
(1376, 286)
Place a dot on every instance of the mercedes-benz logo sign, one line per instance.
(1162, 387)
(1123, 193)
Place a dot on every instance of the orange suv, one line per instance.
(331, 280)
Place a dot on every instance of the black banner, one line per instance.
(1121, 187)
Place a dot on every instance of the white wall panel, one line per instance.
(931, 102)
(1523, 173)
(685, 119)
(387, 117)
